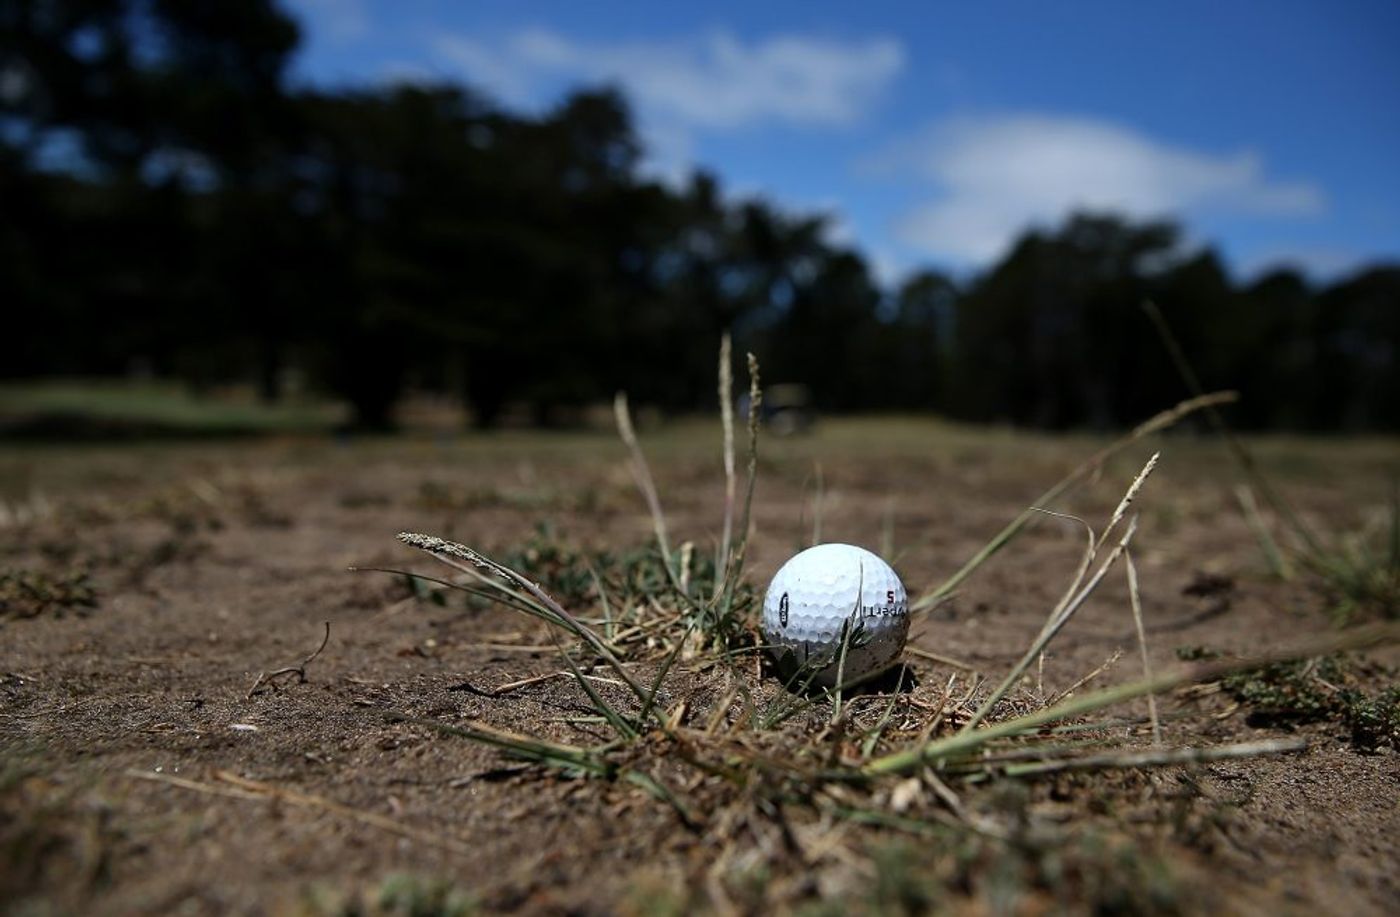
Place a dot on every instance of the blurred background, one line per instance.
(317, 213)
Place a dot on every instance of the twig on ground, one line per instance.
(1103, 667)
(196, 786)
(299, 670)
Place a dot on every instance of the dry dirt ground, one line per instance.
(143, 772)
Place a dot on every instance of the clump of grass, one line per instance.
(398, 895)
(52, 835)
(412, 896)
(617, 580)
(1321, 689)
(26, 593)
(1080, 870)
(654, 894)
(1375, 721)
(1360, 575)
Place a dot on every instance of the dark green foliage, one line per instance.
(173, 207)
(1374, 721)
(398, 895)
(1328, 689)
(31, 593)
(408, 896)
(1084, 871)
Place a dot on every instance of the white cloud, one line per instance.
(999, 174)
(715, 82)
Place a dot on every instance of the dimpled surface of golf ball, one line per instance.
(815, 592)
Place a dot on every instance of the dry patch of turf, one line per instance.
(617, 741)
(764, 773)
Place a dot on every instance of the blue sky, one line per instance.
(933, 133)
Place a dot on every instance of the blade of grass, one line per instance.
(867, 747)
(723, 611)
(1242, 456)
(665, 668)
(615, 719)
(1096, 461)
(1072, 599)
(1086, 561)
(1278, 563)
(1158, 757)
(641, 474)
(848, 629)
(452, 553)
(528, 748)
(609, 629)
(662, 792)
(965, 742)
(1136, 602)
(726, 416)
(491, 594)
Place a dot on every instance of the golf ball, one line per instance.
(819, 590)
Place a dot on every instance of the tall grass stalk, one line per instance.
(726, 415)
(1085, 469)
(641, 474)
(1278, 563)
(1242, 456)
(1075, 596)
(1135, 599)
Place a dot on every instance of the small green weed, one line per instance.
(398, 895)
(1078, 871)
(628, 585)
(28, 593)
(1325, 689)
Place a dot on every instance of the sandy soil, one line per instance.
(142, 776)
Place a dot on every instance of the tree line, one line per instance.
(172, 203)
